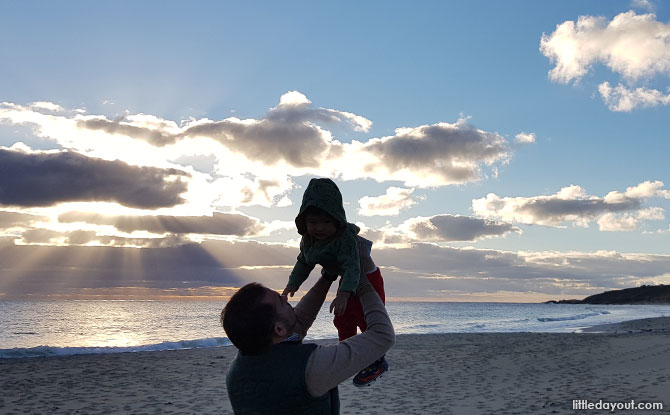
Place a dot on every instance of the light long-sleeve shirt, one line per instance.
(330, 365)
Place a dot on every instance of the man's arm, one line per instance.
(328, 366)
(309, 305)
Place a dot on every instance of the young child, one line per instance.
(330, 241)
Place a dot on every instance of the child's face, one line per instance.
(320, 226)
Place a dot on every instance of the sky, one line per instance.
(493, 151)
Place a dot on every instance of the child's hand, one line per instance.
(289, 290)
(339, 304)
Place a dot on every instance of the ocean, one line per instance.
(48, 328)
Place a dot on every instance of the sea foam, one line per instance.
(44, 351)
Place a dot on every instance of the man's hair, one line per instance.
(248, 321)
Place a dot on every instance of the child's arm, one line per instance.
(348, 258)
(299, 274)
(339, 304)
(348, 261)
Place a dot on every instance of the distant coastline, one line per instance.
(646, 294)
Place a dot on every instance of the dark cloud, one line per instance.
(557, 209)
(459, 228)
(62, 270)
(217, 224)
(602, 269)
(287, 133)
(11, 219)
(570, 204)
(268, 141)
(455, 152)
(240, 254)
(38, 236)
(291, 133)
(421, 269)
(46, 179)
(83, 237)
(301, 111)
(154, 136)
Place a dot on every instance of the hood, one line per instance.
(323, 194)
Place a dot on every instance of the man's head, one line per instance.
(256, 317)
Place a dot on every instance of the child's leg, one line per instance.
(377, 282)
(347, 323)
(377, 368)
(345, 329)
(353, 316)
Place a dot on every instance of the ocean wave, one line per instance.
(44, 351)
(570, 318)
(425, 326)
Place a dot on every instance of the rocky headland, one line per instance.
(646, 294)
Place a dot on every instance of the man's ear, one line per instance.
(279, 329)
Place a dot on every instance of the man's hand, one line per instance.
(289, 290)
(339, 304)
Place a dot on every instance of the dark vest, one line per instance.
(274, 383)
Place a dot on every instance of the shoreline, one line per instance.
(650, 325)
(459, 373)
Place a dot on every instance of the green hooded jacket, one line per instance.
(340, 252)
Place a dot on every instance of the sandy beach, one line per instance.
(504, 373)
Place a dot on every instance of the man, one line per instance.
(274, 372)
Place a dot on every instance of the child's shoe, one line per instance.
(371, 373)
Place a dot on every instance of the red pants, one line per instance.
(353, 317)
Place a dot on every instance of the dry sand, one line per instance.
(515, 373)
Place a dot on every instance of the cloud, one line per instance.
(438, 228)
(45, 179)
(294, 107)
(48, 106)
(455, 228)
(654, 213)
(634, 46)
(427, 156)
(288, 133)
(16, 219)
(572, 205)
(426, 270)
(217, 224)
(240, 190)
(525, 138)
(154, 130)
(271, 142)
(418, 270)
(643, 4)
(611, 222)
(40, 236)
(624, 99)
(389, 204)
(71, 269)
(292, 139)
